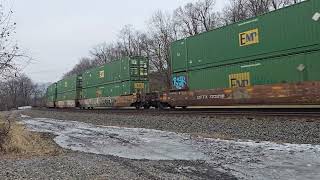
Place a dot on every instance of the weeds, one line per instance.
(4, 132)
(15, 140)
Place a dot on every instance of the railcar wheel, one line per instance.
(138, 107)
(160, 106)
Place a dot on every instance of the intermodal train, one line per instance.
(271, 59)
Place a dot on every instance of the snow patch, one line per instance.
(243, 158)
(24, 116)
(132, 143)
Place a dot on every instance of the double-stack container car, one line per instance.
(270, 59)
(115, 84)
(67, 92)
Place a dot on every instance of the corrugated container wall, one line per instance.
(288, 30)
(115, 89)
(66, 88)
(51, 92)
(279, 47)
(125, 69)
(122, 77)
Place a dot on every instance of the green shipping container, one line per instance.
(67, 88)
(66, 96)
(115, 89)
(51, 98)
(289, 30)
(125, 69)
(67, 84)
(285, 69)
(52, 90)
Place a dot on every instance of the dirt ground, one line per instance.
(238, 147)
(67, 164)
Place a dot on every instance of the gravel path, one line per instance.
(77, 165)
(276, 129)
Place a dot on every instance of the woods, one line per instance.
(16, 89)
(163, 28)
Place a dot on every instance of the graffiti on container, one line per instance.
(108, 101)
(213, 96)
(179, 82)
(239, 80)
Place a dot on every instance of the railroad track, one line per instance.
(297, 112)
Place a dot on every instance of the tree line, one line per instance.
(15, 89)
(21, 91)
(164, 28)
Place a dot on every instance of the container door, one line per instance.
(125, 69)
(179, 55)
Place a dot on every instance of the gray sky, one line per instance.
(56, 33)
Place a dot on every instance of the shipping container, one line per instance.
(285, 69)
(65, 96)
(51, 95)
(287, 31)
(52, 89)
(68, 91)
(67, 84)
(124, 69)
(115, 89)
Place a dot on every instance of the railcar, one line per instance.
(116, 84)
(269, 59)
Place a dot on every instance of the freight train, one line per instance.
(272, 59)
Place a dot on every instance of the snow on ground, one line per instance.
(24, 116)
(244, 159)
(123, 142)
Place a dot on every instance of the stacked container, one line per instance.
(282, 46)
(126, 76)
(51, 95)
(67, 91)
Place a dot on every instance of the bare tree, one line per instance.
(257, 7)
(38, 95)
(206, 16)
(238, 10)
(16, 92)
(9, 50)
(162, 32)
(187, 19)
(277, 4)
(235, 11)
(83, 65)
(99, 53)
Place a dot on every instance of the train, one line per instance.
(271, 59)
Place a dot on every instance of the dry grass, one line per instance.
(20, 142)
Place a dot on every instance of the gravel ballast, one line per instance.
(77, 165)
(294, 130)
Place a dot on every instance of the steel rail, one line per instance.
(209, 112)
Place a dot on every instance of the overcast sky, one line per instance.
(56, 33)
